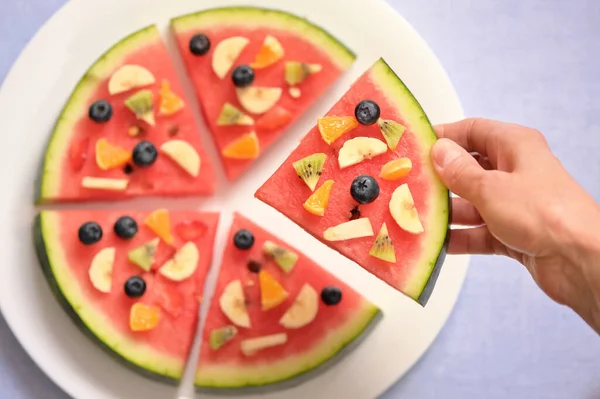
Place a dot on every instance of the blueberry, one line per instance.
(331, 296)
(243, 239)
(243, 76)
(144, 154)
(254, 266)
(100, 111)
(126, 227)
(199, 44)
(135, 287)
(364, 189)
(367, 112)
(90, 233)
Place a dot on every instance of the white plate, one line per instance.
(38, 86)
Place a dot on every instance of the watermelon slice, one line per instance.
(395, 226)
(99, 285)
(269, 324)
(293, 62)
(130, 95)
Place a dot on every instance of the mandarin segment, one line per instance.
(245, 147)
(143, 317)
(272, 293)
(110, 156)
(334, 127)
(318, 201)
(159, 222)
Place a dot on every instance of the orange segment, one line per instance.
(333, 127)
(159, 222)
(169, 101)
(245, 147)
(272, 293)
(318, 201)
(143, 317)
(396, 169)
(270, 52)
(110, 156)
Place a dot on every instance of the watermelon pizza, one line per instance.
(361, 181)
(255, 71)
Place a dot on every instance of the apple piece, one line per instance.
(404, 211)
(183, 264)
(183, 154)
(100, 271)
(253, 345)
(102, 183)
(129, 77)
(358, 149)
(258, 100)
(303, 310)
(233, 304)
(346, 231)
(226, 53)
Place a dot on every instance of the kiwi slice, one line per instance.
(297, 72)
(143, 256)
(383, 248)
(220, 336)
(230, 115)
(392, 131)
(309, 169)
(142, 105)
(284, 258)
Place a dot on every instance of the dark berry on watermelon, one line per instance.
(331, 296)
(135, 287)
(199, 44)
(354, 213)
(367, 112)
(126, 227)
(90, 233)
(364, 189)
(254, 266)
(144, 154)
(128, 169)
(243, 76)
(100, 111)
(243, 239)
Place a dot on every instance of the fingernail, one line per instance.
(445, 151)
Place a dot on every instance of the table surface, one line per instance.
(533, 62)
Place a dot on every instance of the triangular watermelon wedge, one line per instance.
(398, 234)
(98, 284)
(246, 121)
(128, 107)
(276, 316)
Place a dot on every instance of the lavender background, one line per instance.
(534, 62)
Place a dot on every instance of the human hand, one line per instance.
(519, 201)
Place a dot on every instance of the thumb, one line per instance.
(458, 170)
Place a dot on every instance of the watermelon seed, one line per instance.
(128, 169)
(254, 266)
(173, 130)
(355, 213)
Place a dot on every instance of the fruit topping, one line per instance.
(100, 111)
(190, 230)
(277, 117)
(252, 345)
(135, 131)
(220, 336)
(353, 229)
(318, 201)
(143, 317)
(258, 100)
(295, 92)
(364, 189)
(143, 256)
(310, 168)
(184, 155)
(129, 77)
(183, 264)
(254, 266)
(331, 296)
(367, 112)
(100, 271)
(233, 304)
(242, 76)
(285, 258)
(333, 127)
(303, 310)
(404, 212)
(231, 116)
(159, 222)
(169, 102)
(126, 227)
(354, 213)
(396, 169)
(78, 153)
(135, 287)
(101, 183)
(244, 147)
(199, 44)
(358, 149)
(144, 154)
(243, 239)
(392, 132)
(272, 293)
(270, 52)
(142, 105)
(297, 72)
(226, 53)
(90, 233)
(383, 247)
(110, 156)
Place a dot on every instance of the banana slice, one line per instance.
(183, 264)
(104, 183)
(253, 345)
(183, 154)
(100, 271)
(129, 77)
(346, 231)
(404, 212)
(303, 310)
(358, 149)
(226, 53)
(258, 100)
(232, 303)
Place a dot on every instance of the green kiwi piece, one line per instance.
(230, 115)
(383, 248)
(310, 168)
(220, 336)
(392, 131)
(284, 258)
(142, 105)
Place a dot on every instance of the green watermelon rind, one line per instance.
(134, 355)
(49, 177)
(249, 17)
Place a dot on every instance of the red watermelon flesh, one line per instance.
(418, 257)
(301, 42)
(66, 261)
(307, 347)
